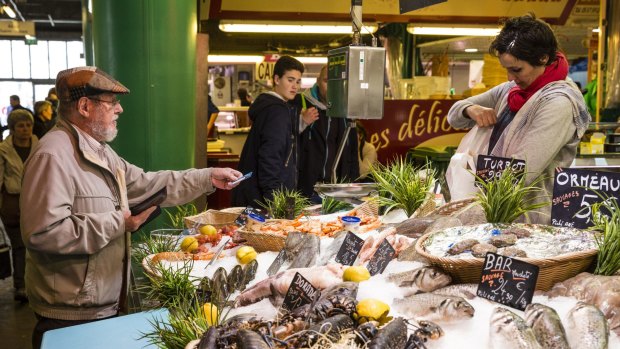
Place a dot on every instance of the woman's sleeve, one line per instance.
(488, 99)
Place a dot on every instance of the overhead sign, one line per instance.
(412, 5)
(16, 28)
(264, 70)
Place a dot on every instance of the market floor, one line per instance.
(16, 319)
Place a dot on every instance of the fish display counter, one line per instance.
(300, 295)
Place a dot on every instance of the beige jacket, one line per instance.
(74, 231)
(545, 132)
(11, 165)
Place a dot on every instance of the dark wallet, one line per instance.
(153, 200)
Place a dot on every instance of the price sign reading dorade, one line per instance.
(491, 167)
(573, 195)
(381, 258)
(300, 292)
(350, 248)
(507, 281)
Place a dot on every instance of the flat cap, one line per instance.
(75, 83)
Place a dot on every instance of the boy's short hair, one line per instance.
(286, 63)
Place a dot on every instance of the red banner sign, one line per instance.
(408, 124)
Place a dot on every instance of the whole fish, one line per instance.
(599, 290)
(275, 287)
(587, 327)
(331, 251)
(547, 326)
(434, 307)
(509, 331)
(425, 279)
(467, 291)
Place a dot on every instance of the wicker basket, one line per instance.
(215, 218)
(151, 260)
(427, 207)
(262, 241)
(451, 207)
(552, 270)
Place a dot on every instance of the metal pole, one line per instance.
(343, 142)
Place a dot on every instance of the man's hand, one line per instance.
(132, 223)
(310, 115)
(221, 177)
(483, 117)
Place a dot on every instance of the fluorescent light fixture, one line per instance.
(456, 31)
(234, 59)
(596, 30)
(8, 10)
(291, 27)
(471, 50)
(258, 59)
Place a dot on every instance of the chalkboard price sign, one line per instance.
(381, 258)
(257, 214)
(350, 248)
(573, 195)
(491, 167)
(300, 292)
(507, 281)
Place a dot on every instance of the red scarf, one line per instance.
(553, 72)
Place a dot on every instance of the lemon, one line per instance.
(356, 274)
(372, 309)
(211, 313)
(246, 254)
(208, 230)
(189, 244)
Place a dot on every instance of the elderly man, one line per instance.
(76, 221)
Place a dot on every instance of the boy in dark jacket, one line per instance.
(270, 151)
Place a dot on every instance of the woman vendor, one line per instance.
(538, 115)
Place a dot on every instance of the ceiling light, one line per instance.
(290, 27)
(471, 50)
(8, 10)
(596, 30)
(456, 31)
(257, 59)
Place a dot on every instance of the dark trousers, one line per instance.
(10, 217)
(45, 324)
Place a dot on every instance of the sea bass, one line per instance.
(425, 279)
(547, 326)
(509, 331)
(587, 327)
(276, 286)
(434, 307)
(467, 291)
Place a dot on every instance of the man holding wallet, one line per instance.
(76, 221)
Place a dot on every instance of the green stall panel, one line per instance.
(150, 46)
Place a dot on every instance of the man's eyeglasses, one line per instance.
(113, 102)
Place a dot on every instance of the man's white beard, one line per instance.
(103, 134)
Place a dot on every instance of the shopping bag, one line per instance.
(460, 173)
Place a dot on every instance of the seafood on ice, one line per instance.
(275, 287)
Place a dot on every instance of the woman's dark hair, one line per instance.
(361, 131)
(528, 39)
(286, 63)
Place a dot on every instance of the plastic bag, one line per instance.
(460, 173)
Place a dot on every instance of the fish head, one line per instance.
(432, 279)
(430, 329)
(501, 319)
(536, 312)
(347, 288)
(464, 309)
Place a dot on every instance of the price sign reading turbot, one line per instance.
(573, 195)
(507, 281)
